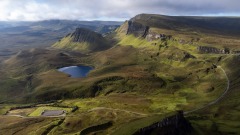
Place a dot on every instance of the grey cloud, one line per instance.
(111, 9)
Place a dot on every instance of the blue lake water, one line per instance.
(76, 71)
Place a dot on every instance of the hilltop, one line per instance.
(83, 40)
(211, 25)
(144, 71)
(217, 32)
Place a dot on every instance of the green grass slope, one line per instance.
(140, 80)
(220, 32)
(83, 40)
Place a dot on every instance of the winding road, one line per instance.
(186, 112)
(218, 99)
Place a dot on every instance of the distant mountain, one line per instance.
(84, 40)
(56, 25)
(8, 24)
(45, 33)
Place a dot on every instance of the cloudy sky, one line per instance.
(31, 10)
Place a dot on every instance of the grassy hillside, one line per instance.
(154, 68)
(187, 34)
(19, 72)
(82, 40)
(210, 31)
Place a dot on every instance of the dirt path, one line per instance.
(18, 116)
(218, 99)
(105, 108)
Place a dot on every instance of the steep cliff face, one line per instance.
(134, 28)
(206, 49)
(141, 29)
(173, 125)
(137, 29)
(83, 40)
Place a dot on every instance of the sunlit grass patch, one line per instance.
(166, 103)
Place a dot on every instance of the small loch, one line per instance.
(76, 71)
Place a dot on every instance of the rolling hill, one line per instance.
(144, 72)
(83, 40)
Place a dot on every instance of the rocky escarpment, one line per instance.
(155, 36)
(137, 29)
(206, 49)
(140, 30)
(173, 125)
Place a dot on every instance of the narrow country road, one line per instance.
(186, 112)
(218, 99)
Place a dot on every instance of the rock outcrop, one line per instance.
(137, 29)
(206, 49)
(156, 36)
(173, 125)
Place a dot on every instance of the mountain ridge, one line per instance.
(197, 22)
(155, 65)
(84, 40)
